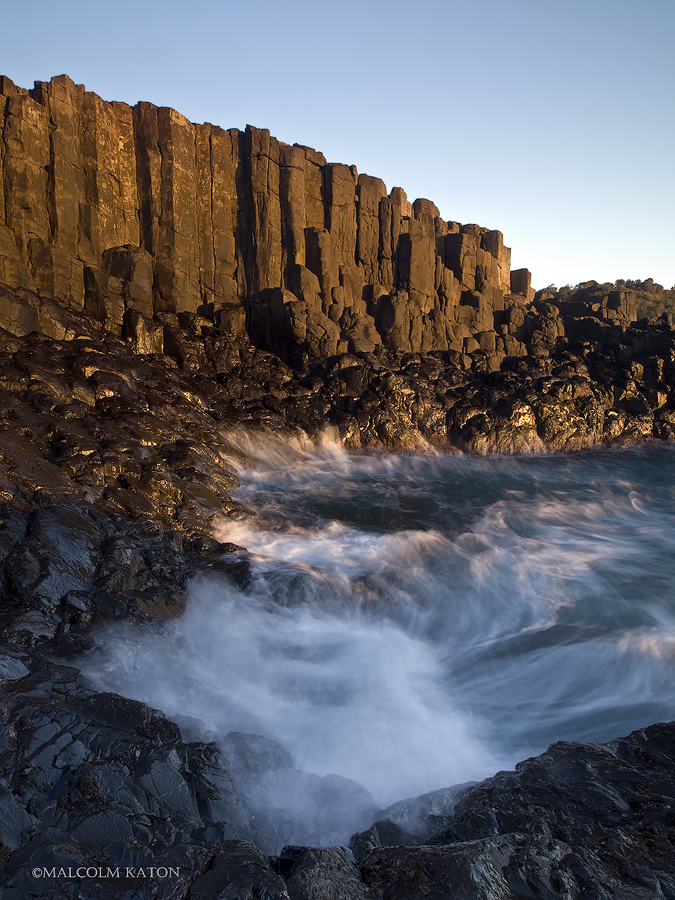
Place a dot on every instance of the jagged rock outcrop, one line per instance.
(581, 820)
(113, 209)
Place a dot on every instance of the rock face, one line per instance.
(226, 250)
(118, 210)
(578, 821)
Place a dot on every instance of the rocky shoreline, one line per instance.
(132, 350)
(112, 472)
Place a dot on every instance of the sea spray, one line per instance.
(416, 621)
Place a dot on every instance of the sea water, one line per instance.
(418, 620)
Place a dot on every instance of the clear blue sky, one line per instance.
(551, 120)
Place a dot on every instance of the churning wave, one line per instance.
(416, 621)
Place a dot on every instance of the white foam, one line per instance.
(536, 604)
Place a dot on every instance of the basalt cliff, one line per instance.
(164, 286)
(118, 211)
(212, 246)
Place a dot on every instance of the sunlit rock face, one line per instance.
(118, 210)
(218, 247)
(114, 209)
(304, 285)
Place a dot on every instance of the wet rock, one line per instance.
(65, 566)
(103, 770)
(58, 555)
(408, 822)
(254, 755)
(314, 873)
(383, 833)
(476, 872)
(577, 819)
(571, 397)
(239, 870)
(11, 668)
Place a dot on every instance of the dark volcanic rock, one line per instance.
(314, 873)
(578, 821)
(68, 564)
(92, 777)
(238, 870)
(112, 783)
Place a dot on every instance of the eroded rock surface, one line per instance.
(578, 821)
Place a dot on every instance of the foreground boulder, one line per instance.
(580, 820)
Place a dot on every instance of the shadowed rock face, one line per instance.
(578, 821)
